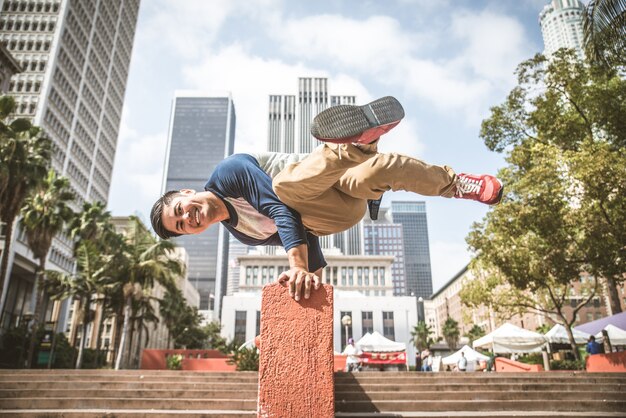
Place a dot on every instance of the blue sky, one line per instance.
(447, 61)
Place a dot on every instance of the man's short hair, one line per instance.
(156, 214)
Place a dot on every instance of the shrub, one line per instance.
(174, 362)
(567, 365)
(246, 359)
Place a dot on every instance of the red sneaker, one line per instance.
(481, 187)
(345, 124)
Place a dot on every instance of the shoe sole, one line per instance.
(361, 124)
(498, 198)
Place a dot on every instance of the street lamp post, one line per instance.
(346, 321)
(420, 310)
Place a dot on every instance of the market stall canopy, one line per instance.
(470, 355)
(593, 327)
(558, 335)
(511, 339)
(617, 336)
(375, 342)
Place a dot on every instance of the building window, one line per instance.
(366, 273)
(343, 276)
(367, 319)
(359, 273)
(388, 328)
(350, 276)
(375, 271)
(335, 276)
(258, 323)
(382, 276)
(263, 274)
(240, 327)
(248, 275)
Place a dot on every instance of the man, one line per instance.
(592, 346)
(352, 360)
(291, 200)
(462, 363)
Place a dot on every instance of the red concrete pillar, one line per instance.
(296, 362)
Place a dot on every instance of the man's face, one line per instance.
(188, 213)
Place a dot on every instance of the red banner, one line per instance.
(394, 357)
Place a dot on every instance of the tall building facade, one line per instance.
(74, 57)
(412, 216)
(383, 237)
(561, 24)
(289, 131)
(201, 134)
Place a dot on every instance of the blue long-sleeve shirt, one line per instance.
(256, 215)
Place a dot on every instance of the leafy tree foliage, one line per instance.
(475, 333)
(564, 135)
(451, 333)
(420, 336)
(604, 31)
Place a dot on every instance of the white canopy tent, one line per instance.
(617, 336)
(511, 339)
(376, 343)
(470, 355)
(558, 335)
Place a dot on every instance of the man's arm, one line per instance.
(298, 273)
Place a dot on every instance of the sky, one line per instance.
(447, 61)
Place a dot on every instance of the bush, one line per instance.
(246, 359)
(64, 353)
(14, 349)
(93, 359)
(174, 362)
(533, 358)
(567, 365)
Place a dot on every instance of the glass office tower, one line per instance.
(201, 134)
(412, 217)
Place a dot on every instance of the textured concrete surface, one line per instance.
(296, 363)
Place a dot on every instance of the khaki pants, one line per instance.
(331, 186)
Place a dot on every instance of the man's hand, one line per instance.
(297, 278)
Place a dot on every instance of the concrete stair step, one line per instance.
(121, 413)
(441, 405)
(141, 393)
(132, 386)
(480, 394)
(129, 403)
(489, 387)
(457, 378)
(126, 378)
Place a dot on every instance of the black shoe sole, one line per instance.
(347, 123)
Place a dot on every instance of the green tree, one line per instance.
(420, 336)
(475, 333)
(92, 272)
(146, 261)
(25, 154)
(44, 215)
(604, 32)
(564, 134)
(451, 333)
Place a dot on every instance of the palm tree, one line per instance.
(421, 336)
(92, 272)
(475, 333)
(43, 216)
(604, 31)
(171, 309)
(147, 261)
(25, 154)
(451, 333)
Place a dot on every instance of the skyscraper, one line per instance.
(562, 26)
(74, 57)
(201, 134)
(412, 216)
(384, 237)
(289, 130)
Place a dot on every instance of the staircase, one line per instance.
(155, 394)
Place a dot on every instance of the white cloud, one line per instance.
(363, 45)
(493, 44)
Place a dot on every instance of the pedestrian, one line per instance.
(462, 363)
(353, 361)
(418, 361)
(426, 360)
(593, 347)
(292, 199)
